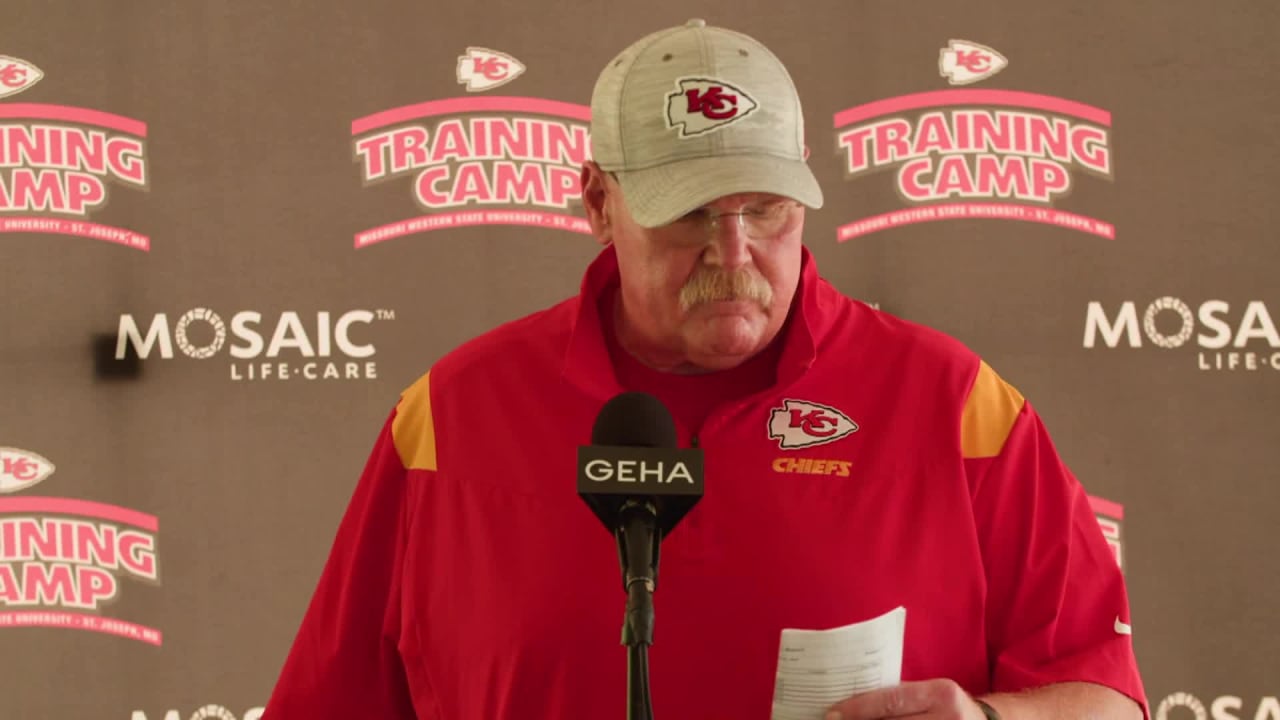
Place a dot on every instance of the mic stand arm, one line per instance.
(638, 544)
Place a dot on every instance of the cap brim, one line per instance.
(659, 195)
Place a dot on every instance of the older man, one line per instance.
(854, 463)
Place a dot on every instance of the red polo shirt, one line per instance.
(882, 464)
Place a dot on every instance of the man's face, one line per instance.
(712, 288)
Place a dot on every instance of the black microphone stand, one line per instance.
(638, 543)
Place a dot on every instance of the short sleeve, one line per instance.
(1057, 607)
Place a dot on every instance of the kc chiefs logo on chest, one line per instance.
(800, 424)
(702, 105)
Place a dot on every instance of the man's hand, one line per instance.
(945, 700)
(923, 700)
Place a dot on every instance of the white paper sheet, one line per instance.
(819, 668)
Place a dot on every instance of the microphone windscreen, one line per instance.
(634, 419)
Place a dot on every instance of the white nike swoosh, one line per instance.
(1123, 628)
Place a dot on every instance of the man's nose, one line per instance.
(730, 248)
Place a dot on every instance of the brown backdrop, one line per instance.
(222, 175)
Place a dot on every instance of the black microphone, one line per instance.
(640, 485)
(633, 458)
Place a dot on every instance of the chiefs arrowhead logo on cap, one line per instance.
(20, 469)
(484, 69)
(963, 62)
(800, 424)
(701, 105)
(17, 75)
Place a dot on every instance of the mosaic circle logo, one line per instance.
(1184, 314)
(1194, 708)
(203, 315)
(205, 712)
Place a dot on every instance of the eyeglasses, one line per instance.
(758, 220)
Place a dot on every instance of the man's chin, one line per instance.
(725, 340)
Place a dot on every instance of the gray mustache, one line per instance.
(714, 285)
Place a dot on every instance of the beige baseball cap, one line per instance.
(692, 113)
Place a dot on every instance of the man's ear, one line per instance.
(595, 202)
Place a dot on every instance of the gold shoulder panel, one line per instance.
(989, 413)
(414, 429)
